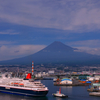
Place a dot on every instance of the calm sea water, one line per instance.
(74, 93)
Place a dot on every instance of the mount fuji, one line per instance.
(56, 52)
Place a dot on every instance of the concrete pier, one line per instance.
(74, 83)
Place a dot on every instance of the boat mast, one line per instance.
(59, 90)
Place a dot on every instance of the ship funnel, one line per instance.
(28, 76)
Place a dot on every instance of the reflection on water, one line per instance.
(66, 89)
(57, 98)
(4, 96)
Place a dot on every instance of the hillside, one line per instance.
(57, 52)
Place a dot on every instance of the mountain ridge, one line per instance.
(56, 52)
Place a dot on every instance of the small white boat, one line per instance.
(59, 94)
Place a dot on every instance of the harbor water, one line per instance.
(73, 92)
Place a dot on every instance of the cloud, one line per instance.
(11, 52)
(94, 51)
(86, 43)
(86, 20)
(73, 15)
(10, 32)
(6, 43)
(89, 46)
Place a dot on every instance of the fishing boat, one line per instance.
(95, 87)
(59, 94)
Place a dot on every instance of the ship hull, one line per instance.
(24, 92)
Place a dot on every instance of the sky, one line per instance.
(27, 26)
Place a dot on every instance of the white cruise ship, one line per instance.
(22, 86)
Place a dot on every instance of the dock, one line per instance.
(81, 84)
(74, 83)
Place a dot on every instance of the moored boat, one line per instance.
(59, 94)
(94, 94)
(95, 87)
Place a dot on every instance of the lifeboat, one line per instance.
(21, 84)
(16, 83)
